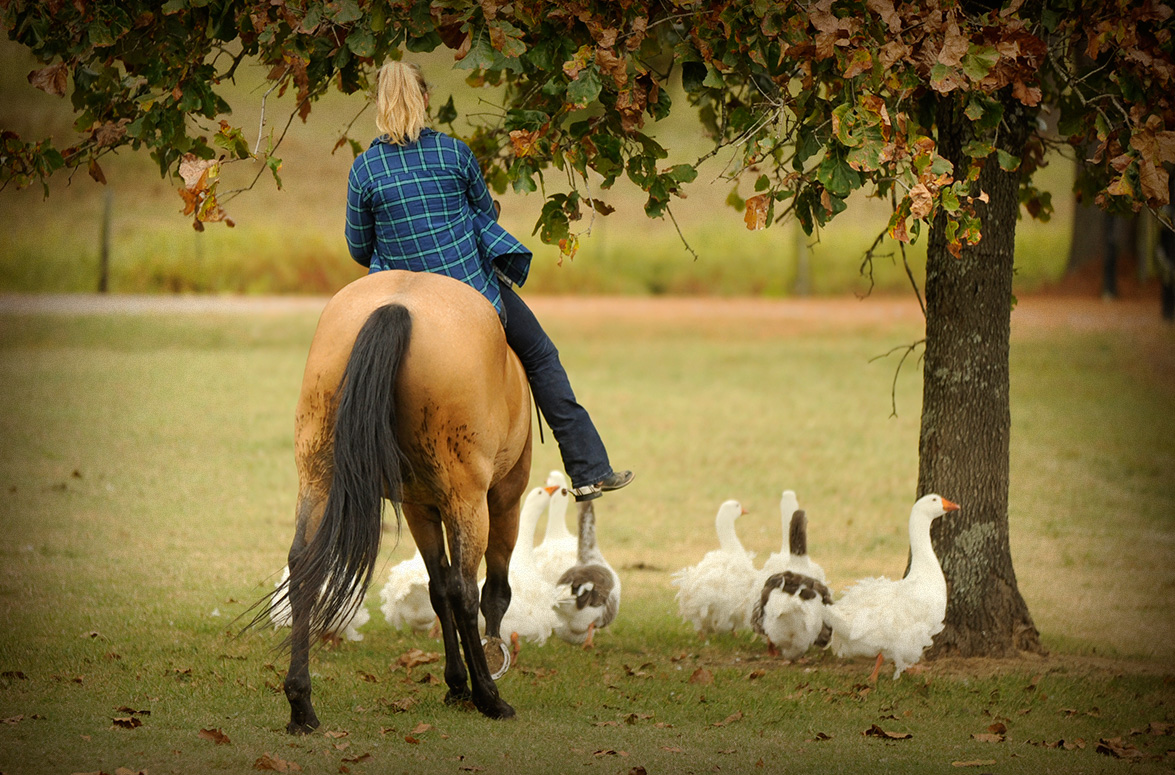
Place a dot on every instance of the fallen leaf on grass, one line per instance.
(672, 749)
(974, 763)
(1161, 728)
(988, 738)
(274, 764)
(1116, 748)
(215, 735)
(412, 740)
(821, 736)
(127, 722)
(609, 752)
(638, 770)
(414, 657)
(701, 676)
(1068, 745)
(12, 720)
(14, 674)
(751, 676)
(129, 771)
(402, 705)
(132, 711)
(733, 717)
(368, 677)
(356, 759)
(876, 731)
(335, 735)
(998, 728)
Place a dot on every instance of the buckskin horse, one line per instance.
(410, 394)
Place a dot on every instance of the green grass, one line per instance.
(290, 241)
(147, 491)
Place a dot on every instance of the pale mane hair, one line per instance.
(401, 102)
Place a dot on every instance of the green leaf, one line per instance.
(978, 149)
(585, 89)
(978, 61)
(837, 176)
(347, 12)
(714, 79)
(693, 75)
(274, 165)
(683, 173)
(761, 183)
(734, 200)
(361, 41)
(950, 200)
(1008, 162)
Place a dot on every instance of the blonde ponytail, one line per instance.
(401, 102)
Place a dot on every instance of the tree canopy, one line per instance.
(812, 102)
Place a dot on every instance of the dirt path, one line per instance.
(1032, 312)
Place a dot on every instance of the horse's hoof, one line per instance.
(302, 727)
(497, 656)
(458, 697)
(497, 709)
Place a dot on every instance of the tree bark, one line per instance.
(966, 415)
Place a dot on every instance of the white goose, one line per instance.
(588, 593)
(788, 609)
(340, 628)
(404, 599)
(714, 595)
(896, 620)
(793, 554)
(529, 616)
(559, 548)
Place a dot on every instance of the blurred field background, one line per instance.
(290, 241)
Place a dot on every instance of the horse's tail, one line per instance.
(339, 561)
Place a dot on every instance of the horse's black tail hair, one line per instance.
(337, 564)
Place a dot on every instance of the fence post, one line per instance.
(104, 252)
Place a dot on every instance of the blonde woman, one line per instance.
(416, 200)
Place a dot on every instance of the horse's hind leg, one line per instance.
(503, 502)
(297, 684)
(426, 531)
(468, 526)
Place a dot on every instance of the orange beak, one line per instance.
(949, 506)
(551, 490)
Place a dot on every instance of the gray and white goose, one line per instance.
(587, 595)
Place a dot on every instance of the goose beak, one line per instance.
(551, 491)
(949, 506)
(744, 511)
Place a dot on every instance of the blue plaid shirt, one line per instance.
(425, 207)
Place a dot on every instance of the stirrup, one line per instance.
(613, 481)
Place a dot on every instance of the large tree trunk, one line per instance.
(963, 446)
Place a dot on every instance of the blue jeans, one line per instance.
(582, 450)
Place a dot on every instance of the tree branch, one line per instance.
(893, 389)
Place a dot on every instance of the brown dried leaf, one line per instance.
(421, 728)
(51, 79)
(335, 735)
(415, 657)
(215, 735)
(733, 717)
(756, 214)
(988, 738)
(921, 201)
(127, 722)
(1118, 749)
(974, 763)
(701, 676)
(1028, 95)
(876, 731)
(356, 759)
(954, 46)
(523, 141)
(275, 764)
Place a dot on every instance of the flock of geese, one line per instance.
(564, 587)
(788, 602)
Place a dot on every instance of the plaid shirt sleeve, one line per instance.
(360, 228)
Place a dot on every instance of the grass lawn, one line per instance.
(147, 493)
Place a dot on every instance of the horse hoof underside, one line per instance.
(497, 656)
